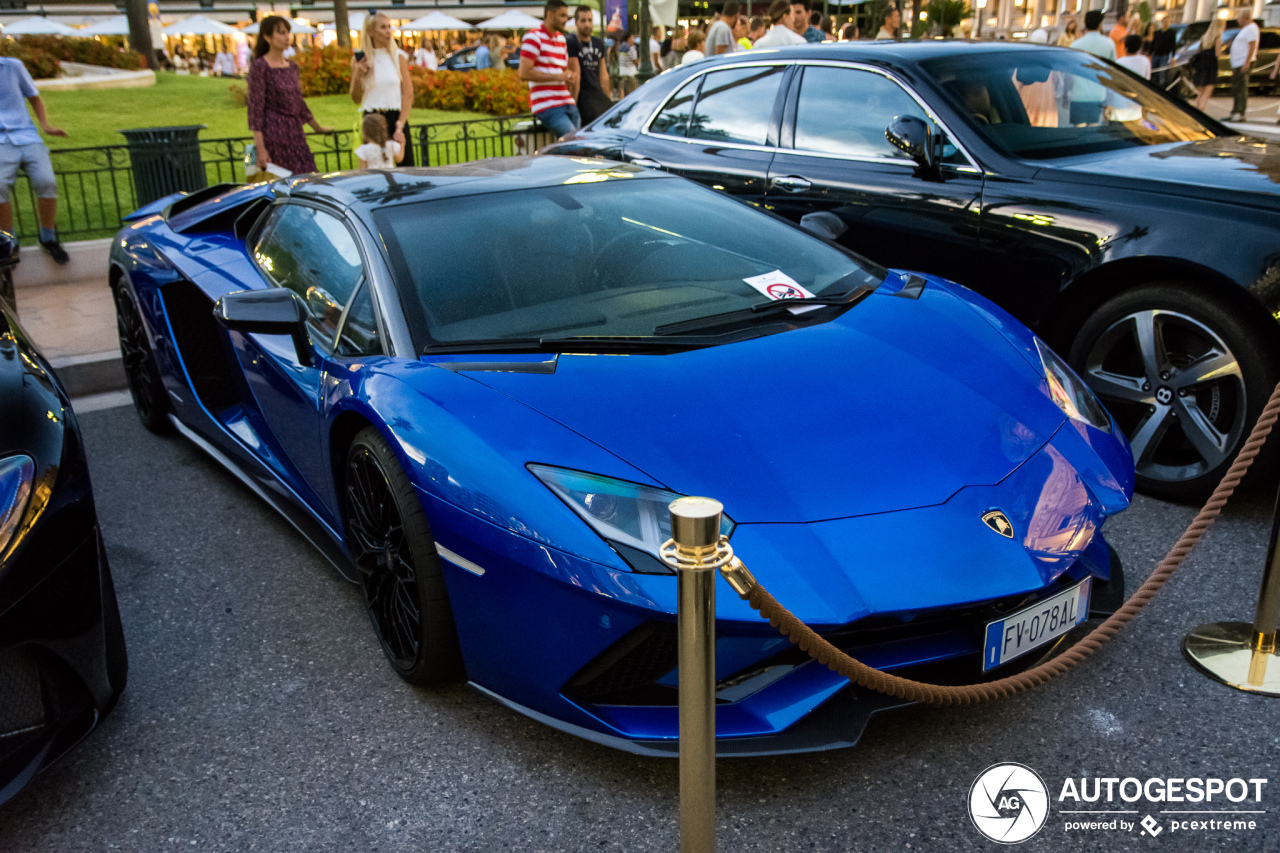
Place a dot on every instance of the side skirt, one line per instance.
(308, 526)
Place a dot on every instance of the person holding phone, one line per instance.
(276, 108)
(380, 81)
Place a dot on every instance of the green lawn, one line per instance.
(93, 117)
(93, 197)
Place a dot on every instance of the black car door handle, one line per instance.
(791, 183)
(645, 161)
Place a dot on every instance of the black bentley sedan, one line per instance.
(62, 653)
(1132, 232)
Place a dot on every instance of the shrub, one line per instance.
(40, 63)
(324, 71)
(496, 91)
(42, 54)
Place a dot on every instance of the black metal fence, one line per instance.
(96, 185)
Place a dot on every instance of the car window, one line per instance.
(313, 254)
(846, 111)
(673, 120)
(736, 105)
(359, 335)
(1268, 40)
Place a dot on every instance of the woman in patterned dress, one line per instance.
(276, 109)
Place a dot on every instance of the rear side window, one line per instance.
(1268, 40)
(674, 118)
(736, 105)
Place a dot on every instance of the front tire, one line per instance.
(1184, 375)
(143, 376)
(404, 589)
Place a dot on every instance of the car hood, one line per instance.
(1203, 168)
(900, 403)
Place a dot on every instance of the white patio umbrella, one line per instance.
(117, 26)
(436, 21)
(355, 21)
(38, 26)
(199, 25)
(510, 20)
(296, 27)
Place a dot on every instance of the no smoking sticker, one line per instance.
(779, 285)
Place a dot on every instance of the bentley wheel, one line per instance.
(404, 589)
(140, 370)
(1185, 377)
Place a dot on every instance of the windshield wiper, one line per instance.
(575, 343)
(764, 309)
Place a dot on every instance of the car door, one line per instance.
(834, 157)
(312, 252)
(719, 128)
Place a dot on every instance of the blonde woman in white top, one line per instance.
(380, 81)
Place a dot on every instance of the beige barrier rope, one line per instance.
(859, 673)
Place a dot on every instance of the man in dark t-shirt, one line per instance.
(594, 92)
(1163, 43)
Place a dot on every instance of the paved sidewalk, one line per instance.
(69, 313)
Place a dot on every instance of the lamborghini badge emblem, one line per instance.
(999, 522)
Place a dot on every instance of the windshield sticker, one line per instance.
(778, 285)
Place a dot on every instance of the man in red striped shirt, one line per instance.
(543, 62)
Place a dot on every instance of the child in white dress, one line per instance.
(377, 152)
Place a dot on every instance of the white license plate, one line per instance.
(1031, 628)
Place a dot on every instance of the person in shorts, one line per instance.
(22, 148)
(544, 60)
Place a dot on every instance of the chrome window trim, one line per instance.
(971, 168)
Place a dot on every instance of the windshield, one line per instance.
(1060, 103)
(622, 257)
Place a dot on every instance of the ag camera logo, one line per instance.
(1008, 803)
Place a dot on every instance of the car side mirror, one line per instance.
(824, 224)
(912, 136)
(274, 311)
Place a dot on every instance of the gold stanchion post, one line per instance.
(695, 552)
(1237, 653)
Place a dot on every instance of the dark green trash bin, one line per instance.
(165, 160)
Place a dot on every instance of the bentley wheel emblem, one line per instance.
(999, 522)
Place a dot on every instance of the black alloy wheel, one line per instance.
(1184, 376)
(404, 589)
(140, 370)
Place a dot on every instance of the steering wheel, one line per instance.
(641, 247)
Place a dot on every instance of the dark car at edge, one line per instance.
(1136, 235)
(62, 655)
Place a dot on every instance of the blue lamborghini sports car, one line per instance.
(477, 388)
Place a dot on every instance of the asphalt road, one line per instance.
(260, 715)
